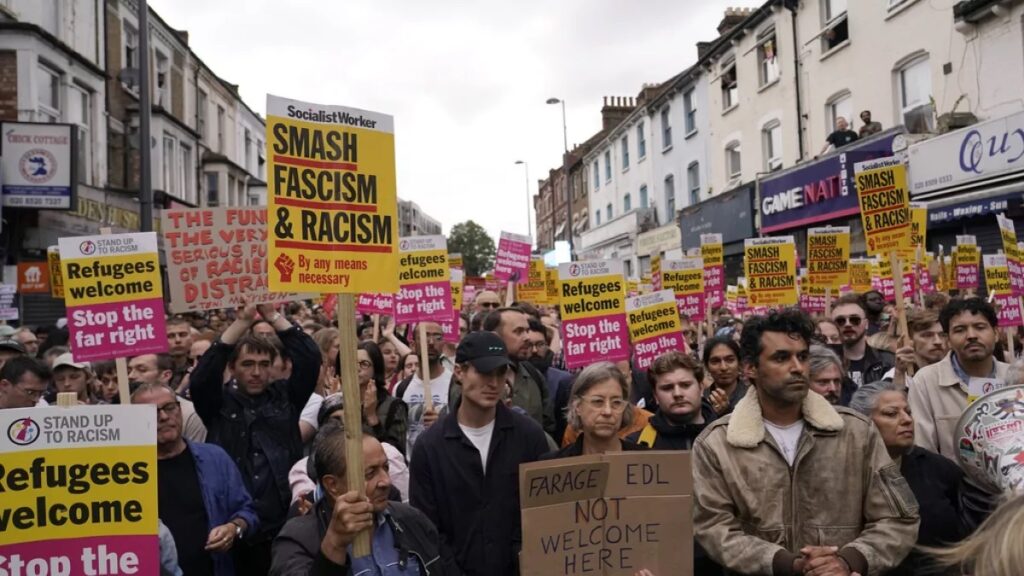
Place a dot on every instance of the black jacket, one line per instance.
(877, 363)
(476, 512)
(673, 437)
(260, 433)
(296, 550)
(576, 449)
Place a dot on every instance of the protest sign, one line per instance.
(860, 275)
(997, 282)
(114, 297)
(612, 514)
(919, 225)
(968, 259)
(656, 272)
(812, 298)
(534, 289)
(491, 283)
(450, 327)
(512, 262)
(457, 281)
(769, 265)
(742, 299)
(332, 218)
(685, 278)
(33, 278)
(86, 501)
(593, 301)
(882, 270)
(455, 261)
(713, 255)
(884, 205)
(731, 293)
(425, 290)
(552, 286)
(372, 303)
(654, 326)
(927, 283)
(8, 310)
(828, 257)
(56, 276)
(1014, 264)
(217, 256)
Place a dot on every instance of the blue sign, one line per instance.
(820, 191)
(972, 208)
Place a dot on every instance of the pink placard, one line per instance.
(590, 340)
(691, 306)
(92, 555)
(117, 330)
(512, 262)
(966, 276)
(1016, 276)
(376, 304)
(428, 301)
(927, 285)
(1008, 310)
(645, 351)
(450, 328)
(714, 286)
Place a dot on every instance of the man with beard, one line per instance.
(827, 376)
(874, 304)
(759, 506)
(928, 345)
(939, 394)
(410, 390)
(557, 380)
(154, 369)
(864, 363)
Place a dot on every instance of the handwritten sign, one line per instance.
(654, 326)
(512, 262)
(425, 291)
(770, 268)
(828, 257)
(593, 312)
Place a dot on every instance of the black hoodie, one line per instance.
(674, 437)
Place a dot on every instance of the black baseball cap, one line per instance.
(484, 350)
(12, 345)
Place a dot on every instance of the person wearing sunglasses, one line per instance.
(863, 363)
(486, 301)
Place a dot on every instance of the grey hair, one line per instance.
(821, 357)
(1015, 373)
(866, 398)
(592, 376)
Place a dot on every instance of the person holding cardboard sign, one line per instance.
(789, 484)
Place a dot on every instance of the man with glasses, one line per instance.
(200, 494)
(28, 339)
(485, 302)
(410, 390)
(22, 383)
(153, 369)
(864, 363)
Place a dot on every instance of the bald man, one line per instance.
(486, 301)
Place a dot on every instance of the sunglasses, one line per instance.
(489, 304)
(842, 320)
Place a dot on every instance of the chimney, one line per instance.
(732, 18)
(702, 49)
(614, 111)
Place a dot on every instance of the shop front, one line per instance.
(730, 214)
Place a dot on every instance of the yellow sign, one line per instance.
(552, 286)
(711, 250)
(997, 275)
(56, 277)
(455, 260)
(884, 205)
(919, 226)
(828, 257)
(656, 272)
(534, 290)
(593, 304)
(332, 210)
(769, 265)
(457, 278)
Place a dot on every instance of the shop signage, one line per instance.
(730, 213)
(38, 165)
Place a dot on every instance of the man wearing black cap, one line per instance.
(10, 348)
(465, 469)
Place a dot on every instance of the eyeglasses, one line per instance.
(168, 409)
(435, 336)
(599, 402)
(365, 364)
(33, 394)
(842, 320)
(489, 304)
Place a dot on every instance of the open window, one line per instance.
(767, 57)
(730, 85)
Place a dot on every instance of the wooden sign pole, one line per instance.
(901, 308)
(828, 301)
(421, 335)
(353, 407)
(376, 328)
(120, 364)
(510, 294)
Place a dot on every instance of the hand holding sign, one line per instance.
(352, 514)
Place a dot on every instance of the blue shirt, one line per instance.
(965, 379)
(383, 559)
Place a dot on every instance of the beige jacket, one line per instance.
(937, 400)
(753, 513)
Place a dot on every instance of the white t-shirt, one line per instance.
(908, 380)
(481, 438)
(787, 437)
(413, 397)
(312, 410)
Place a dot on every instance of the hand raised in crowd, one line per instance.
(388, 330)
(352, 514)
(267, 311)
(719, 401)
(247, 312)
(905, 359)
(221, 538)
(329, 381)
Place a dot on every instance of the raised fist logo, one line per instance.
(285, 266)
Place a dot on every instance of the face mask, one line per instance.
(542, 363)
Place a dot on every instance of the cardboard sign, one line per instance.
(968, 260)
(87, 499)
(613, 514)
(534, 290)
(33, 278)
(884, 205)
(593, 301)
(39, 165)
(56, 276)
(713, 255)
(769, 265)
(654, 326)
(216, 257)
(383, 304)
(455, 261)
(997, 282)
(552, 285)
(425, 291)
(828, 257)
(512, 262)
(332, 218)
(114, 297)
(1014, 264)
(685, 278)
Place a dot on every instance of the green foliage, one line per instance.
(477, 248)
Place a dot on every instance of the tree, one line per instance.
(477, 248)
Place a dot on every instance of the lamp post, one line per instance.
(529, 205)
(565, 170)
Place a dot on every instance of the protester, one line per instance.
(827, 331)
(49, 357)
(385, 415)
(840, 137)
(179, 344)
(23, 383)
(864, 363)
(201, 496)
(722, 361)
(153, 369)
(486, 301)
(28, 340)
(411, 389)
(827, 378)
(682, 411)
(73, 377)
(393, 349)
(938, 396)
(257, 421)
(928, 345)
(759, 502)
(636, 382)
(934, 480)
(11, 348)
(542, 359)
(870, 126)
(105, 385)
(464, 471)
(873, 303)
(403, 540)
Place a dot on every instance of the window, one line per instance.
(915, 85)
(169, 166)
(597, 218)
(693, 178)
(131, 53)
(163, 81)
(730, 85)
(767, 57)
(212, 189)
(643, 196)
(771, 139)
(597, 174)
(666, 129)
(733, 166)
(836, 30)
(608, 211)
(670, 198)
(248, 151)
(608, 165)
(641, 141)
(896, 4)
(839, 106)
(201, 114)
(220, 128)
(48, 95)
(188, 191)
(690, 111)
(625, 152)
(627, 203)
(80, 114)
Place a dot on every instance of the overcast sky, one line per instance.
(465, 80)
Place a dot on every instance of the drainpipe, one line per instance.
(793, 7)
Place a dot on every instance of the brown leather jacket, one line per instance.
(753, 513)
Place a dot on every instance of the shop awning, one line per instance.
(990, 200)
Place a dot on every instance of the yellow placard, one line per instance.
(769, 265)
(656, 272)
(457, 277)
(712, 254)
(552, 286)
(884, 205)
(828, 257)
(918, 226)
(997, 275)
(683, 281)
(592, 296)
(332, 203)
(534, 290)
(654, 321)
(112, 279)
(455, 260)
(56, 276)
(967, 254)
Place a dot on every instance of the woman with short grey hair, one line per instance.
(598, 410)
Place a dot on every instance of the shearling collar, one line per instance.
(746, 425)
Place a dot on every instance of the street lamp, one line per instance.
(529, 204)
(565, 169)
